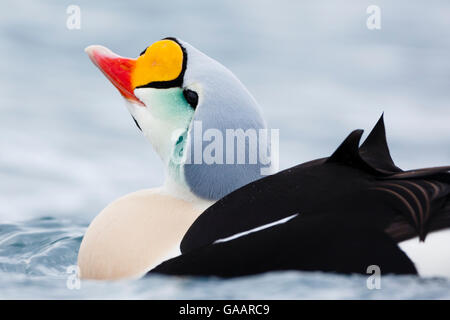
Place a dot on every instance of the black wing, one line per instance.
(420, 197)
(303, 243)
(353, 209)
(421, 200)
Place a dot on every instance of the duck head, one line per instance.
(184, 101)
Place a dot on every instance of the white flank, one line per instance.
(432, 257)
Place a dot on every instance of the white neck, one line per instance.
(181, 191)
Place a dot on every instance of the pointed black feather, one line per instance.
(347, 152)
(375, 150)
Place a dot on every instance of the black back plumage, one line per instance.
(358, 191)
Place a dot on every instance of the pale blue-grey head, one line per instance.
(184, 102)
(224, 104)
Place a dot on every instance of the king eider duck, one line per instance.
(340, 214)
(174, 93)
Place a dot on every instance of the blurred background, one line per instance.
(68, 146)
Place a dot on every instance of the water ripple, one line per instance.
(35, 254)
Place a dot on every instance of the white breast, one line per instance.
(134, 234)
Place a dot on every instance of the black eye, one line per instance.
(143, 51)
(191, 97)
